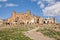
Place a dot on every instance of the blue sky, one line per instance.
(41, 8)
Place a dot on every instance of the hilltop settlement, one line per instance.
(27, 18)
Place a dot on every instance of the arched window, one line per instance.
(45, 22)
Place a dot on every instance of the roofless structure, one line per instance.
(28, 18)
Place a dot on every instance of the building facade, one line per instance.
(28, 18)
(1, 21)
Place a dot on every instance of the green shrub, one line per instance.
(12, 34)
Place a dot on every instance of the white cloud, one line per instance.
(42, 6)
(53, 10)
(11, 5)
(50, 2)
(3, 0)
(40, 3)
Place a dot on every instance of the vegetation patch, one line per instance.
(13, 34)
(50, 33)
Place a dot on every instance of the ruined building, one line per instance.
(28, 18)
(1, 21)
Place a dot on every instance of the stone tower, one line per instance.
(14, 15)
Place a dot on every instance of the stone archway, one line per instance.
(46, 22)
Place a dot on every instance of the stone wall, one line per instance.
(29, 18)
(1, 22)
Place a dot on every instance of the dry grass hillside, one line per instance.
(8, 32)
(50, 30)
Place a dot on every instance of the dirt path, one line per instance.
(37, 35)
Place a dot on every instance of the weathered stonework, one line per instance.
(1, 21)
(28, 18)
